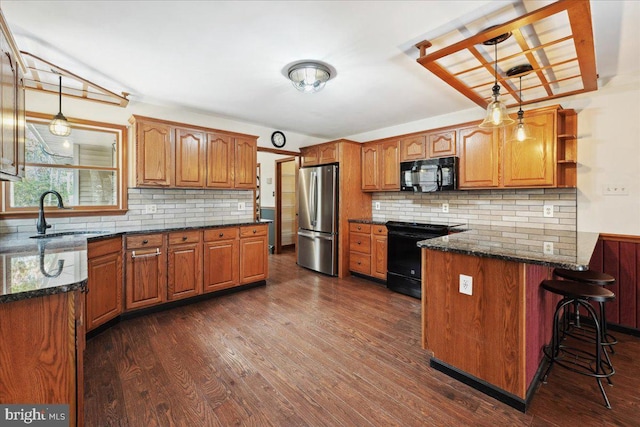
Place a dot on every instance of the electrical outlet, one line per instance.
(466, 284)
(445, 238)
(547, 211)
(445, 207)
(150, 209)
(241, 206)
(615, 190)
(547, 248)
(377, 206)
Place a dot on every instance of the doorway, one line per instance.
(285, 215)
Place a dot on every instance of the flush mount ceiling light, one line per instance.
(520, 133)
(497, 115)
(309, 76)
(59, 125)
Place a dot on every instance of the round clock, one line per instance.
(277, 139)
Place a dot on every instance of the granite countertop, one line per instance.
(367, 221)
(33, 267)
(571, 250)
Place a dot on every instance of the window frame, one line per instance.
(7, 212)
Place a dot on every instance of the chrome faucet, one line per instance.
(42, 225)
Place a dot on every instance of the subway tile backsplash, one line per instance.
(174, 208)
(508, 208)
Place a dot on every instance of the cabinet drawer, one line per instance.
(103, 247)
(215, 234)
(360, 228)
(253, 230)
(379, 230)
(144, 241)
(178, 237)
(360, 263)
(360, 242)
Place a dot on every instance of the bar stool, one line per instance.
(596, 278)
(595, 364)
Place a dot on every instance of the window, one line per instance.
(86, 168)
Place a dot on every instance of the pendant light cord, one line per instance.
(60, 94)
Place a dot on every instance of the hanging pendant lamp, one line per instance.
(497, 115)
(520, 132)
(59, 125)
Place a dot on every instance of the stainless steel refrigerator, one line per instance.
(318, 218)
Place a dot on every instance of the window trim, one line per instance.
(12, 213)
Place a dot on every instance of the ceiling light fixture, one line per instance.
(520, 132)
(309, 76)
(59, 125)
(497, 115)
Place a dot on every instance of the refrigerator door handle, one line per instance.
(314, 235)
(313, 196)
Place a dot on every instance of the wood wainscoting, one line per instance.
(619, 255)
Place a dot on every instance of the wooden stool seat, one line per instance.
(586, 276)
(571, 289)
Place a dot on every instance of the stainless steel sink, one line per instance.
(68, 233)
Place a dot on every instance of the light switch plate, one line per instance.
(466, 284)
(377, 206)
(241, 206)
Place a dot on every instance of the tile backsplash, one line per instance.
(174, 208)
(508, 208)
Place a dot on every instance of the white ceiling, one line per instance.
(229, 58)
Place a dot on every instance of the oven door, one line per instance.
(403, 254)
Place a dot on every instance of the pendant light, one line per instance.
(520, 132)
(59, 125)
(497, 115)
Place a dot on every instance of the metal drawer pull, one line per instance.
(221, 234)
(145, 241)
(254, 231)
(157, 253)
(184, 238)
(359, 242)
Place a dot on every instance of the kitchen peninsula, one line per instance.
(484, 317)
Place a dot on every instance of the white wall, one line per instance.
(608, 151)
(268, 170)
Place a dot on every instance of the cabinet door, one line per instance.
(104, 296)
(532, 162)
(253, 259)
(185, 271)
(370, 167)
(390, 166)
(219, 161)
(442, 144)
(8, 70)
(21, 122)
(413, 148)
(379, 256)
(221, 266)
(245, 163)
(328, 153)
(479, 162)
(146, 277)
(154, 167)
(310, 156)
(190, 158)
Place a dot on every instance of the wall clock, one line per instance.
(278, 139)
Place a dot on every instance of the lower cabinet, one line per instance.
(184, 276)
(254, 264)
(146, 270)
(368, 250)
(104, 286)
(221, 259)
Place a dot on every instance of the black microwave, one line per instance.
(425, 176)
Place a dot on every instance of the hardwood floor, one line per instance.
(311, 350)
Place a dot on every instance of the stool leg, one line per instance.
(599, 350)
(555, 336)
(603, 326)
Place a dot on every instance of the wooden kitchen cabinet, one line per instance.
(320, 154)
(479, 157)
(370, 181)
(104, 286)
(360, 248)
(221, 258)
(245, 163)
(379, 251)
(154, 146)
(310, 155)
(381, 166)
(190, 148)
(441, 143)
(219, 160)
(254, 263)
(41, 359)
(145, 270)
(184, 276)
(413, 148)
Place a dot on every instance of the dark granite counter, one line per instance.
(367, 221)
(33, 267)
(570, 250)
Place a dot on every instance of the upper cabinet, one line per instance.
(413, 148)
(171, 154)
(381, 165)
(370, 153)
(12, 122)
(441, 143)
(320, 154)
(479, 161)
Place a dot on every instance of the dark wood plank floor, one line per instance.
(310, 350)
